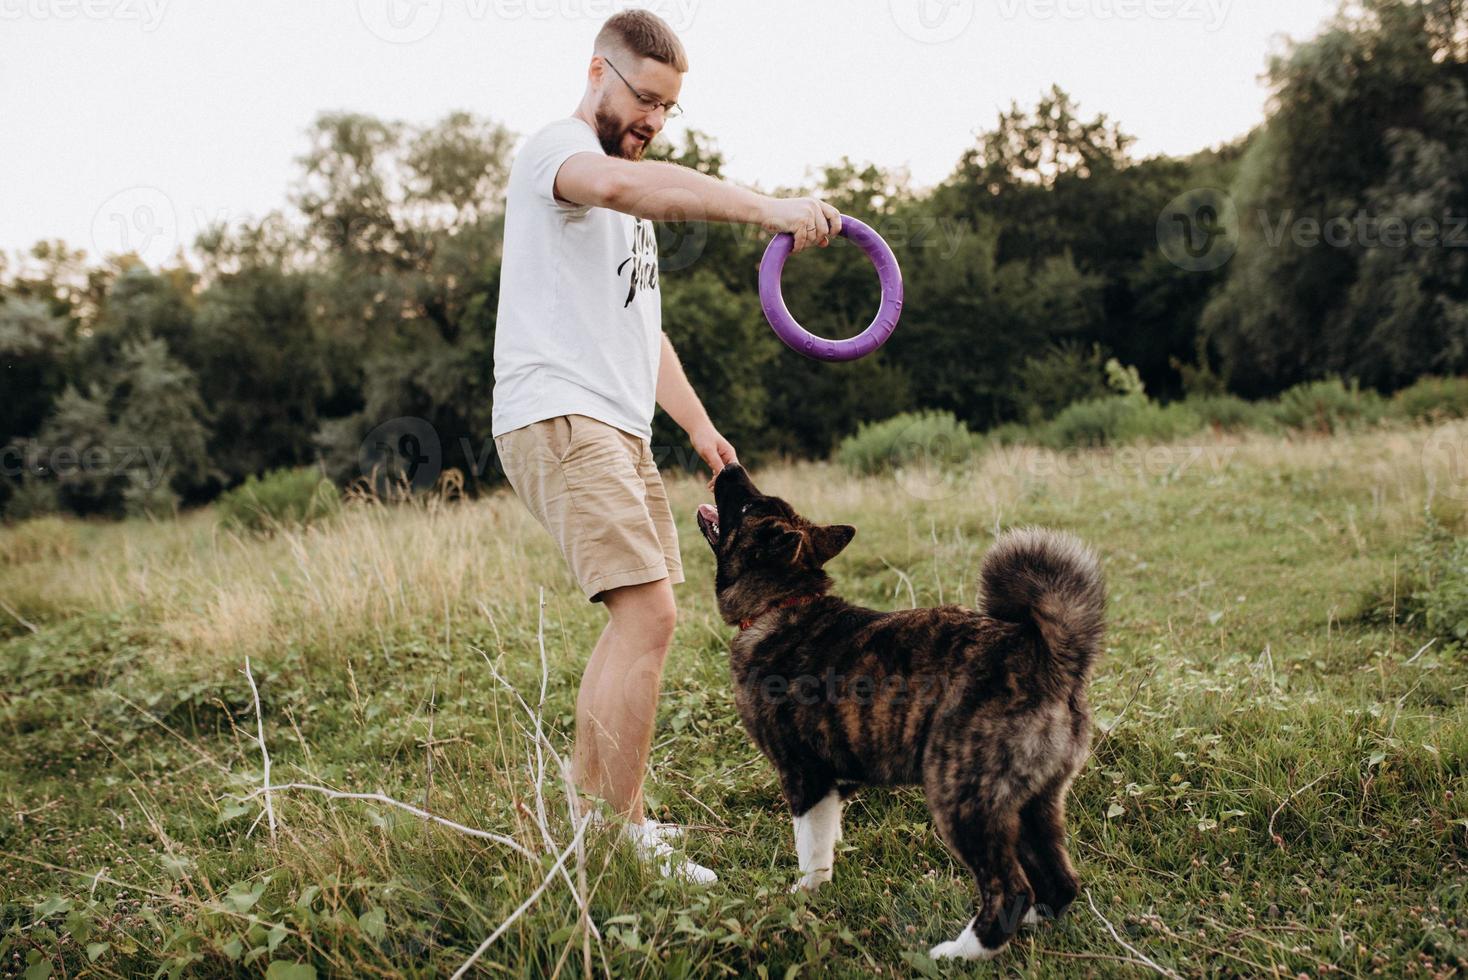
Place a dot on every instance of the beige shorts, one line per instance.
(598, 492)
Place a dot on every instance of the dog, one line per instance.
(984, 708)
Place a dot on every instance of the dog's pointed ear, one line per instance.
(829, 540)
(780, 545)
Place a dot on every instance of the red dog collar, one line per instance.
(793, 600)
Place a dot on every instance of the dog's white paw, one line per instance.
(1032, 918)
(965, 947)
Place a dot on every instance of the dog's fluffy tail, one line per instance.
(1052, 579)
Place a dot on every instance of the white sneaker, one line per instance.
(650, 846)
(663, 831)
(650, 843)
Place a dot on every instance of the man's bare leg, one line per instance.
(617, 705)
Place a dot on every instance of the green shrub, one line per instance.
(1433, 399)
(930, 438)
(1063, 375)
(1124, 379)
(1117, 421)
(1094, 422)
(287, 496)
(33, 497)
(1328, 406)
(1432, 586)
(1230, 413)
(36, 540)
(1009, 434)
(1199, 379)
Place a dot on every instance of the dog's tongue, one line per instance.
(709, 512)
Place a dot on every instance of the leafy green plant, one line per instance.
(286, 496)
(1328, 406)
(1433, 399)
(1063, 375)
(1117, 421)
(912, 437)
(1008, 434)
(33, 497)
(1124, 380)
(1230, 413)
(1433, 583)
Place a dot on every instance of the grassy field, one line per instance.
(1277, 785)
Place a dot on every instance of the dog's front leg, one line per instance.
(816, 833)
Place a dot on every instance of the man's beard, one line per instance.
(611, 133)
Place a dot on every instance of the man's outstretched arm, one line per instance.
(670, 192)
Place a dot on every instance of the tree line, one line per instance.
(1328, 242)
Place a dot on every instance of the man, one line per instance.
(580, 360)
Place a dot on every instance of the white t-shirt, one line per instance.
(580, 313)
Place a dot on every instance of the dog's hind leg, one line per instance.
(817, 821)
(984, 834)
(1042, 851)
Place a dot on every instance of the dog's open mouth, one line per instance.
(708, 523)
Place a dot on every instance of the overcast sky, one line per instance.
(126, 118)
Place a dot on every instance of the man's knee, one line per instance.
(647, 608)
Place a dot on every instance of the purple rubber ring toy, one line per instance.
(796, 337)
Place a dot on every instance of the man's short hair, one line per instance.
(644, 34)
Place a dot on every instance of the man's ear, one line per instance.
(829, 540)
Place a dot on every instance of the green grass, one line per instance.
(1277, 784)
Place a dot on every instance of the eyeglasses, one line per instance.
(647, 102)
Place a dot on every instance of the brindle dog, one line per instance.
(985, 709)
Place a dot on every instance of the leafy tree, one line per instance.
(134, 443)
(266, 369)
(139, 305)
(34, 344)
(1065, 373)
(1368, 128)
(75, 450)
(408, 227)
(159, 409)
(1055, 186)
